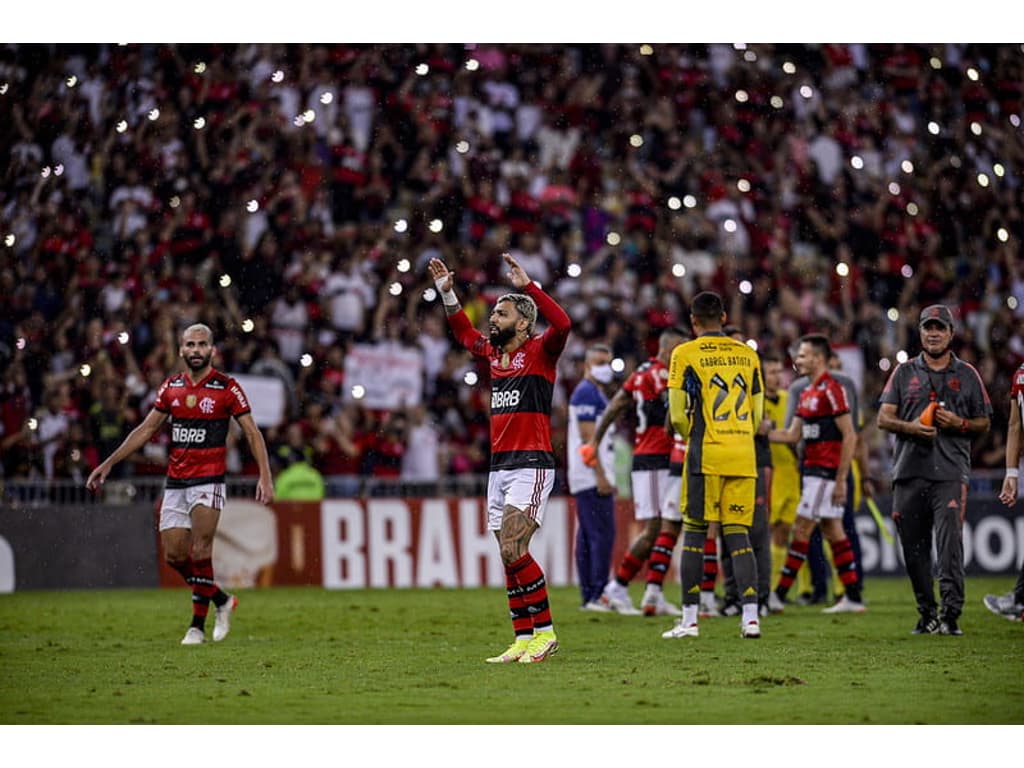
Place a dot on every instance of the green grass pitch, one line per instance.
(308, 656)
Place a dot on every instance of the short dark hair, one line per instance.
(770, 357)
(673, 330)
(820, 343)
(707, 306)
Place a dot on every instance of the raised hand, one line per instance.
(439, 271)
(516, 274)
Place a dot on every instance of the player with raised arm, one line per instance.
(200, 402)
(522, 472)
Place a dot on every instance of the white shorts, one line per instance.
(525, 489)
(816, 499)
(673, 507)
(655, 494)
(177, 504)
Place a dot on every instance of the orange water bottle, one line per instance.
(928, 414)
(589, 454)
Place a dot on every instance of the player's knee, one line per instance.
(175, 558)
(510, 552)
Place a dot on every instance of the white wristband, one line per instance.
(1013, 472)
(447, 297)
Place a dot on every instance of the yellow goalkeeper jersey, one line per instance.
(784, 458)
(716, 400)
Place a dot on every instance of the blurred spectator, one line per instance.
(841, 199)
(109, 424)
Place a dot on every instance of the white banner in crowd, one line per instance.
(266, 398)
(388, 377)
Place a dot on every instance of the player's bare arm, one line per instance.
(1008, 494)
(137, 438)
(265, 485)
(790, 435)
(849, 446)
(619, 403)
(444, 281)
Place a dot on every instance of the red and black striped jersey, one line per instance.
(651, 443)
(819, 406)
(1017, 388)
(200, 413)
(522, 385)
(677, 457)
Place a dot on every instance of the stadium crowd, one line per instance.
(291, 196)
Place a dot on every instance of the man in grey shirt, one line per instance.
(932, 463)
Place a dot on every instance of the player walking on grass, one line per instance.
(1011, 605)
(522, 472)
(932, 465)
(822, 420)
(716, 402)
(655, 497)
(200, 401)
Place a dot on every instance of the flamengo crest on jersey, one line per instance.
(200, 415)
(522, 385)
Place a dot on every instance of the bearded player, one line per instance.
(200, 401)
(522, 472)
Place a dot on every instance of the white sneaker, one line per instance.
(751, 629)
(1005, 606)
(616, 597)
(655, 604)
(775, 604)
(194, 636)
(222, 625)
(681, 630)
(596, 606)
(846, 605)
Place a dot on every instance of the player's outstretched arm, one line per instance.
(444, 281)
(137, 438)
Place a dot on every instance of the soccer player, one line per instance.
(655, 498)
(822, 420)
(933, 464)
(785, 483)
(592, 483)
(1011, 605)
(716, 402)
(200, 401)
(760, 536)
(522, 462)
(858, 482)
